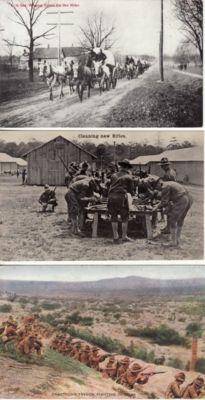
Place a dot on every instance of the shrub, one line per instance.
(6, 308)
(161, 335)
(50, 306)
(200, 365)
(175, 363)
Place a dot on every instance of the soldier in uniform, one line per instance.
(48, 197)
(129, 378)
(169, 175)
(110, 370)
(84, 355)
(174, 390)
(177, 201)
(194, 389)
(77, 197)
(123, 366)
(122, 183)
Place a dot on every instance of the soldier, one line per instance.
(169, 175)
(94, 358)
(123, 366)
(177, 200)
(25, 346)
(84, 355)
(78, 196)
(37, 345)
(174, 390)
(110, 370)
(130, 376)
(48, 197)
(194, 389)
(121, 184)
(75, 353)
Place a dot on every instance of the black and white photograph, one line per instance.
(101, 64)
(101, 195)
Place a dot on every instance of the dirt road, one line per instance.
(39, 111)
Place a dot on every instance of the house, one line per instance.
(9, 165)
(50, 55)
(47, 163)
(23, 61)
(188, 163)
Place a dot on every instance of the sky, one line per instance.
(100, 136)
(92, 273)
(137, 24)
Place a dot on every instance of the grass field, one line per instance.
(177, 102)
(16, 85)
(27, 234)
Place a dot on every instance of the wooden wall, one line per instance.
(45, 166)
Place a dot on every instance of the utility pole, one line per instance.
(161, 43)
(59, 24)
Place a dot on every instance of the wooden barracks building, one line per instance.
(46, 163)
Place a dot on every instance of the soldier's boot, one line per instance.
(44, 208)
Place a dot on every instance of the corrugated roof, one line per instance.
(4, 157)
(63, 137)
(20, 162)
(195, 153)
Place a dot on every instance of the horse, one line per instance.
(58, 74)
(85, 75)
(108, 60)
(102, 75)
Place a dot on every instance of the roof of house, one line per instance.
(194, 153)
(4, 157)
(52, 52)
(72, 51)
(20, 162)
(60, 137)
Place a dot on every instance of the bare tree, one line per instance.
(10, 49)
(96, 32)
(29, 20)
(190, 14)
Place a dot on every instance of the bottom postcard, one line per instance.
(102, 332)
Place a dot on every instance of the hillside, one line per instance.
(114, 286)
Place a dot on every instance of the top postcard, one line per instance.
(108, 64)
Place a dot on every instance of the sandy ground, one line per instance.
(39, 111)
(20, 380)
(27, 234)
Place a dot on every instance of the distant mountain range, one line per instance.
(128, 286)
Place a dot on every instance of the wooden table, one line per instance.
(98, 211)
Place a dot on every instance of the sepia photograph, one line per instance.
(102, 332)
(101, 195)
(105, 63)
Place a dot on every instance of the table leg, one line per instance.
(148, 226)
(95, 226)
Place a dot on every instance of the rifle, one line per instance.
(64, 164)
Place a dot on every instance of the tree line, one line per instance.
(104, 152)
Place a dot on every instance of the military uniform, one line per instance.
(121, 184)
(178, 201)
